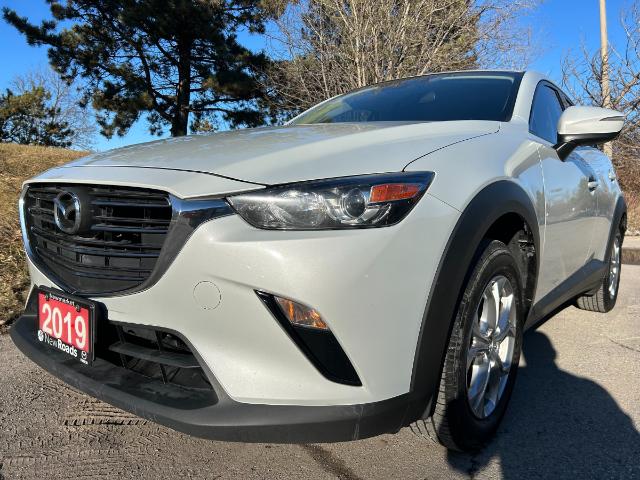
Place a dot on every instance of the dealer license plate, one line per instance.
(66, 324)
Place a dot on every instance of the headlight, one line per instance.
(349, 202)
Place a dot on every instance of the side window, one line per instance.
(545, 112)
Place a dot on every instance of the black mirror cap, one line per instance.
(567, 143)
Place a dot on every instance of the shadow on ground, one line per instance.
(567, 426)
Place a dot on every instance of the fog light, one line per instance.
(313, 337)
(301, 315)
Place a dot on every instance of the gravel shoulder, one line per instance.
(575, 414)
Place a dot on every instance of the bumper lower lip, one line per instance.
(214, 416)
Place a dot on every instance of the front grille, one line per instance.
(116, 251)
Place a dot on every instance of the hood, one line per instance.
(273, 155)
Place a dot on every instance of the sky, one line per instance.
(557, 26)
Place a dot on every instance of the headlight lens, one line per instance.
(350, 202)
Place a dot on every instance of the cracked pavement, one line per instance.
(575, 413)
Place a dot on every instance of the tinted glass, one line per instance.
(545, 113)
(567, 101)
(432, 98)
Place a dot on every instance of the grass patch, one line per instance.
(17, 164)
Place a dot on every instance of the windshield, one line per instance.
(432, 98)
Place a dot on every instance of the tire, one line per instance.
(459, 421)
(604, 299)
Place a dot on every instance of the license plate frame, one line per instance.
(69, 345)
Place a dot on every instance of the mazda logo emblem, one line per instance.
(66, 212)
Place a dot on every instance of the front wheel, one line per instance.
(482, 356)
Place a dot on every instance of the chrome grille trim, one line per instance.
(106, 262)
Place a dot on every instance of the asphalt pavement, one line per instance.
(575, 413)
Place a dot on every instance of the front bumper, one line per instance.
(212, 415)
(370, 286)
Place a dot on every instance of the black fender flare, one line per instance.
(617, 221)
(492, 202)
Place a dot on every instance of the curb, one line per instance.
(630, 256)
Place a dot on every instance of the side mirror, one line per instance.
(586, 126)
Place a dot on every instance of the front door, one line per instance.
(570, 202)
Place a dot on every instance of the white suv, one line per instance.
(370, 265)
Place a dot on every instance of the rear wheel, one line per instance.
(604, 299)
(482, 357)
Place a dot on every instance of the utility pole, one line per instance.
(604, 54)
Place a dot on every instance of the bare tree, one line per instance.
(327, 47)
(66, 101)
(582, 76)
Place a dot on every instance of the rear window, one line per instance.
(432, 98)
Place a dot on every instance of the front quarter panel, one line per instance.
(464, 169)
(483, 178)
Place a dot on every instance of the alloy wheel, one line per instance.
(614, 267)
(491, 347)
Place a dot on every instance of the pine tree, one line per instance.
(165, 59)
(27, 119)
